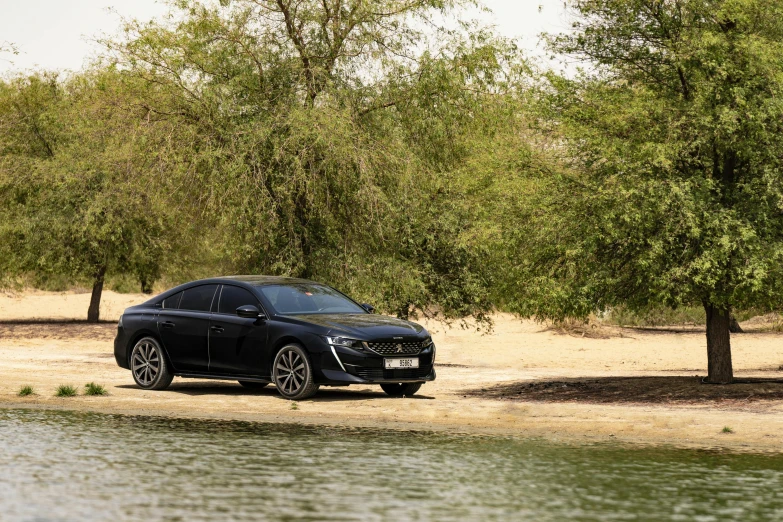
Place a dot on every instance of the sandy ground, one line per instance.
(523, 379)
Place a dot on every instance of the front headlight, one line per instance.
(427, 342)
(344, 342)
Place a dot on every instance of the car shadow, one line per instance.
(325, 394)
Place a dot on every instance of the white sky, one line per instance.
(60, 34)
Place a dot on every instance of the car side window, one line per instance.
(198, 298)
(232, 297)
(172, 301)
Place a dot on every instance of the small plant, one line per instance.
(65, 390)
(24, 391)
(94, 389)
(294, 406)
(727, 429)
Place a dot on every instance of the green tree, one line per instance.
(80, 180)
(672, 192)
(326, 136)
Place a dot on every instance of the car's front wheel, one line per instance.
(148, 365)
(401, 389)
(293, 373)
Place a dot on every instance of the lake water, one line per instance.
(79, 466)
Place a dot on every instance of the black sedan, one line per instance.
(295, 333)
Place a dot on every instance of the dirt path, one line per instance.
(522, 380)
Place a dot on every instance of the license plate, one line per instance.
(411, 362)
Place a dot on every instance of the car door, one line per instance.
(184, 330)
(237, 345)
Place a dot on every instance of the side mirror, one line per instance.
(369, 308)
(250, 312)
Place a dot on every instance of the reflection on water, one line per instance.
(76, 466)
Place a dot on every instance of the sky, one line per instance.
(61, 34)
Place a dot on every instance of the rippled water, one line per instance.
(72, 466)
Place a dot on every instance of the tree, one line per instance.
(672, 192)
(325, 135)
(79, 179)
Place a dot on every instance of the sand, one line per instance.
(523, 379)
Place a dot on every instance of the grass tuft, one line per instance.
(24, 391)
(727, 429)
(94, 389)
(294, 406)
(65, 390)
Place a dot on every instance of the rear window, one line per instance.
(198, 298)
(172, 301)
(309, 299)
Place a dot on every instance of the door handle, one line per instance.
(216, 329)
(167, 324)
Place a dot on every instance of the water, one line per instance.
(76, 466)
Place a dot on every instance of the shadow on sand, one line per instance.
(644, 390)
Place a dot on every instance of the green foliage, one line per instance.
(670, 192)
(26, 391)
(328, 140)
(657, 316)
(727, 429)
(81, 180)
(66, 390)
(94, 389)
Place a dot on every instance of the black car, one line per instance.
(295, 333)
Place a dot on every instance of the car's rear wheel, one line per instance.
(293, 373)
(401, 389)
(252, 385)
(148, 365)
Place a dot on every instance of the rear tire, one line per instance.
(292, 373)
(401, 389)
(252, 385)
(148, 365)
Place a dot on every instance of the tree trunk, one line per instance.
(93, 312)
(146, 285)
(719, 368)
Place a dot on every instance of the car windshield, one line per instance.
(309, 299)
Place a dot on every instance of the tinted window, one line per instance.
(232, 297)
(309, 299)
(198, 298)
(172, 301)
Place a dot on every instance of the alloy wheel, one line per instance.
(291, 372)
(145, 363)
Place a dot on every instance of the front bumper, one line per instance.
(349, 366)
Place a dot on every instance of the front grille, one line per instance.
(393, 348)
(372, 374)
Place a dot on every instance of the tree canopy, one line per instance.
(671, 191)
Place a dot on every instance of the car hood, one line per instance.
(363, 326)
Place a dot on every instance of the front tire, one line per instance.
(148, 365)
(401, 389)
(293, 374)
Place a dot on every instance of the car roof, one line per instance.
(262, 280)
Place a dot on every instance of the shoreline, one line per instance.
(539, 431)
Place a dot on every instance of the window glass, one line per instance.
(309, 299)
(172, 301)
(198, 298)
(232, 297)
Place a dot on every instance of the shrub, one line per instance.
(94, 389)
(24, 391)
(65, 390)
